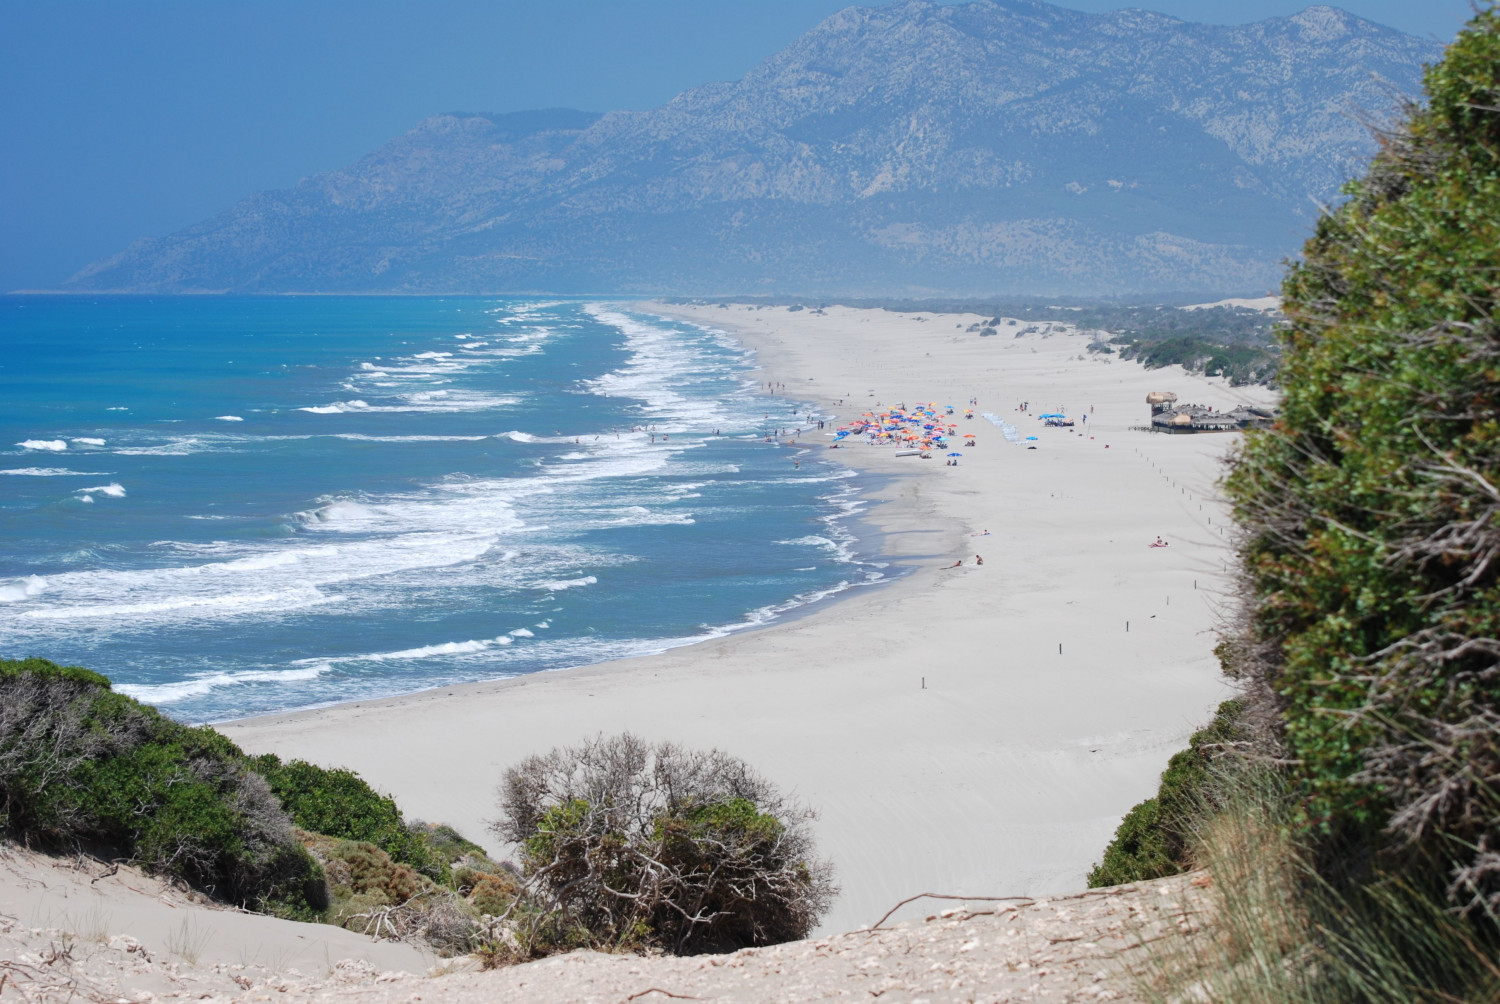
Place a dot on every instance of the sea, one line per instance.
(237, 506)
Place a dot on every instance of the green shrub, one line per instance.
(1371, 513)
(492, 893)
(1276, 930)
(1155, 838)
(356, 867)
(446, 845)
(339, 803)
(1241, 364)
(628, 845)
(82, 767)
(374, 894)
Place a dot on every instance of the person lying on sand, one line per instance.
(956, 564)
(1158, 543)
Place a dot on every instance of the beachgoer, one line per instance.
(978, 560)
(957, 564)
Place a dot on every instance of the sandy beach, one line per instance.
(973, 730)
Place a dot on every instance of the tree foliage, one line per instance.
(626, 844)
(1371, 512)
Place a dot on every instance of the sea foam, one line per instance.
(114, 490)
(15, 590)
(54, 472)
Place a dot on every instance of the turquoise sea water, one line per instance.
(235, 506)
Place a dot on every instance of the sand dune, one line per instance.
(1042, 719)
(76, 928)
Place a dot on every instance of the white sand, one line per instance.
(1008, 773)
(58, 901)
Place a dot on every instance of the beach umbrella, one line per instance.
(1030, 438)
(955, 454)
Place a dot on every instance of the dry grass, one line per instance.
(1281, 933)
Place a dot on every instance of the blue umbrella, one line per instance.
(955, 454)
(1030, 438)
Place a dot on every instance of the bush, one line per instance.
(492, 893)
(1282, 933)
(1241, 364)
(1371, 512)
(373, 894)
(339, 803)
(84, 767)
(444, 844)
(629, 845)
(1155, 838)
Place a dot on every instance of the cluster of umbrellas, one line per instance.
(920, 427)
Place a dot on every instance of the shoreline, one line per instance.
(874, 547)
(948, 743)
(867, 529)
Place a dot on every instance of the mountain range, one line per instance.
(1001, 146)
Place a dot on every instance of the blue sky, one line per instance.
(129, 119)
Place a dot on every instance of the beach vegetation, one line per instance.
(339, 803)
(445, 844)
(1370, 513)
(1155, 838)
(372, 893)
(1234, 342)
(1355, 855)
(1275, 927)
(627, 845)
(84, 768)
(1240, 363)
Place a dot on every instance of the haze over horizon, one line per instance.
(138, 121)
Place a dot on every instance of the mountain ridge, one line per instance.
(1002, 146)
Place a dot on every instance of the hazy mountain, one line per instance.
(1008, 146)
